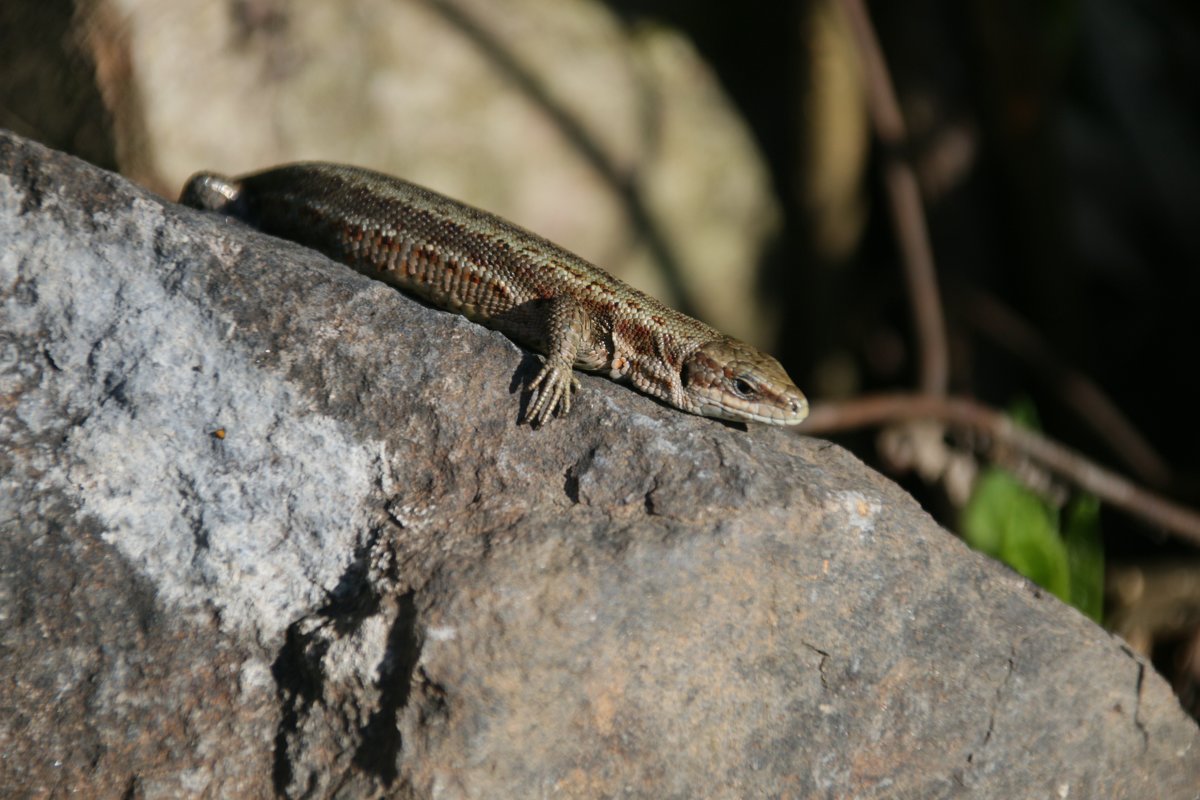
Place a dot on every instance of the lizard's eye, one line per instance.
(743, 387)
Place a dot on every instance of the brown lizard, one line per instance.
(469, 261)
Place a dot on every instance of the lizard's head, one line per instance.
(729, 379)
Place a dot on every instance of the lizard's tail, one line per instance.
(210, 191)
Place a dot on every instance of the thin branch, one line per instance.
(907, 210)
(1110, 487)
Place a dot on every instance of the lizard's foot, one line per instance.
(552, 389)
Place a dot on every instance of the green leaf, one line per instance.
(1085, 555)
(1011, 523)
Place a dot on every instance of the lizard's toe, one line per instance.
(551, 394)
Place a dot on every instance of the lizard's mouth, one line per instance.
(790, 410)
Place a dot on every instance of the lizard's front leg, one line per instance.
(567, 328)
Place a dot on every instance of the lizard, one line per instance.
(462, 259)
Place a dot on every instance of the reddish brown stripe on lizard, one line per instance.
(466, 260)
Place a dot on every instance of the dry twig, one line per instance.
(1110, 487)
(907, 210)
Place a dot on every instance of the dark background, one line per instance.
(1078, 208)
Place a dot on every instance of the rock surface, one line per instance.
(270, 528)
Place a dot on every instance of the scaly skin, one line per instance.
(462, 259)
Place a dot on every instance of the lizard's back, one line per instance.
(448, 253)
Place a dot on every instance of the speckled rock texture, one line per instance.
(269, 528)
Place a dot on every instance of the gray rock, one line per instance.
(375, 582)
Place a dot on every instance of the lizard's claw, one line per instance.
(552, 389)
